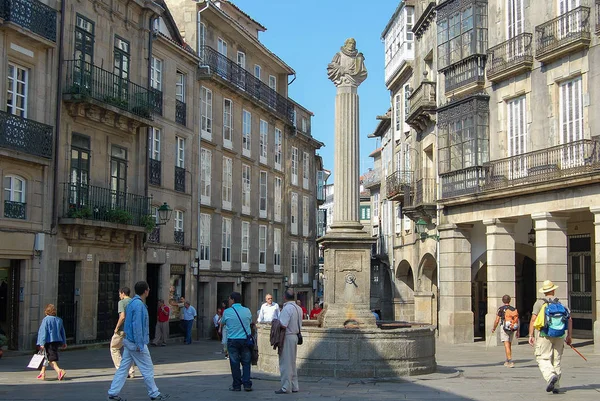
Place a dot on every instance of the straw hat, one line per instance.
(547, 287)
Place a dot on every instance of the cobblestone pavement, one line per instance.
(199, 371)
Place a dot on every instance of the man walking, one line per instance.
(116, 342)
(268, 311)
(507, 315)
(290, 320)
(136, 346)
(549, 342)
(189, 314)
(162, 324)
(236, 320)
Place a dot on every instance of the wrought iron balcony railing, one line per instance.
(85, 80)
(154, 172)
(180, 112)
(425, 191)
(24, 135)
(30, 14)
(104, 204)
(465, 73)
(154, 236)
(179, 237)
(244, 80)
(179, 179)
(510, 57)
(466, 181)
(543, 165)
(398, 183)
(15, 210)
(567, 32)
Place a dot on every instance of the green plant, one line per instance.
(3, 340)
(117, 102)
(82, 213)
(149, 222)
(119, 216)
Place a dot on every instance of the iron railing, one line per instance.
(156, 101)
(466, 181)
(509, 54)
(104, 204)
(179, 179)
(154, 172)
(424, 95)
(467, 71)
(580, 302)
(154, 236)
(398, 182)
(15, 210)
(25, 135)
(563, 30)
(425, 191)
(244, 80)
(180, 112)
(543, 165)
(371, 178)
(30, 14)
(86, 80)
(179, 237)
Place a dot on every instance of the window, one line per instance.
(320, 185)
(263, 195)
(180, 152)
(222, 61)
(406, 102)
(580, 274)
(227, 182)
(305, 170)
(398, 114)
(227, 123)
(294, 213)
(264, 132)
(305, 215)
(16, 99)
(278, 146)
(398, 219)
(179, 220)
(156, 73)
(305, 262)
(365, 212)
(154, 143)
(121, 65)
(226, 244)
(376, 207)
(304, 125)
(80, 169)
(206, 113)
(273, 82)
(294, 165)
(571, 122)
(277, 199)
(277, 250)
(241, 62)
(517, 134)
(257, 71)
(14, 197)
(180, 87)
(118, 175)
(246, 132)
(246, 174)
(399, 39)
(84, 42)
(205, 175)
(514, 18)
(262, 248)
(204, 254)
(294, 258)
(245, 243)
(322, 222)
(201, 37)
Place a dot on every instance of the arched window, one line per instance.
(14, 197)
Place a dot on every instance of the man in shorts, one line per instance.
(506, 336)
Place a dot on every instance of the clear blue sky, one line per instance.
(306, 34)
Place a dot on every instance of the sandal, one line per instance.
(41, 376)
(62, 374)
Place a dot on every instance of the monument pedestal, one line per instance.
(347, 278)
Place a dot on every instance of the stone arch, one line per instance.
(427, 277)
(404, 301)
(426, 295)
(404, 273)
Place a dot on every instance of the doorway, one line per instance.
(9, 300)
(66, 307)
(109, 280)
(224, 290)
(247, 295)
(153, 280)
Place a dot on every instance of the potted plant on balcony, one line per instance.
(149, 222)
(119, 216)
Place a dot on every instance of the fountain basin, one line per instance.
(356, 353)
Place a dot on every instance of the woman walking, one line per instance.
(51, 336)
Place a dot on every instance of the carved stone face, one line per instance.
(350, 44)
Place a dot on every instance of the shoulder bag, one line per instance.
(300, 339)
(249, 339)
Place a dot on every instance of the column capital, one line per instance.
(500, 222)
(549, 216)
(595, 210)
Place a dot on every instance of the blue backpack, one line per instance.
(556, 319)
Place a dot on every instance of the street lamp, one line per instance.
(531, 236)
(164, 214)
(421, 229)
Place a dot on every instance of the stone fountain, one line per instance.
(347, 342)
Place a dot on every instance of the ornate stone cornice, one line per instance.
(424, 20)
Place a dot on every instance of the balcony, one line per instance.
(25, 135)
(398, 185)
(15, 210)
(114, 101)
(510, 58)
(99, 204)
(215, 65)
(565, 34)
(154, 236)
(466, 75)
(179, 179)
(371, 178)
(180, 112)
(424, 201)
(154, 172)
(422, 106)
(32, 15)
(466, 181)
(179, 237)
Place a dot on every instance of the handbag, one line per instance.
(38, 360)
(300, 339)
(249, 339)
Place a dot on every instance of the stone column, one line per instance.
(596, 287)
(500, 268)
(551, 252)
(455, 316)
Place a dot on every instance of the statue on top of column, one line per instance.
(347, 66)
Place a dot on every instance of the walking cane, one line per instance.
(578, 353)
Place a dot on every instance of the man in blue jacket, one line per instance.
(136, 346)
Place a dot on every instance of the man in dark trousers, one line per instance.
(237, 319)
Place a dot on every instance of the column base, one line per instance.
(456, 327)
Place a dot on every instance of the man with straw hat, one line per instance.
(548, 349)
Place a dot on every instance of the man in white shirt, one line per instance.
(291, 321)
(268, 311)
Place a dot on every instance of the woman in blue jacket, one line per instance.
(51, 336)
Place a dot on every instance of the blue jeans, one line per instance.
(187, 324)
(144, 363)
(239, 353)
